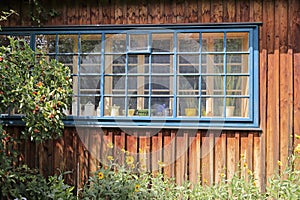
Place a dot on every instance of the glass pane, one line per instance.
(237, 63)
(114, 106)
(162, 42)
(138, 42)
(90, 84)
(188, 106)
(188, 63)
(188, 85)
(115, 64)
(132, 64)
(237, 85)
(214, 64)
(67, 43)
(236, 107)
(88, 105)
(236, 42)
(67, 59)
(161, 83)
(115, 43)
(161, 106)
(46, 43)
(90, 43)
(212, 85)
(90, 64)
(188, 42)
(213, 42)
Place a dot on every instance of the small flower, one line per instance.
(249, 172)
(297, 149)
(222, 175)
(1, 59)
(132, 166)
(140, 150)
(39, 84)
(161, 164)
(137, 187)
(297, 136)
(279, 163)
(123, 150)
(143, 166)
(110, 158)
(129, 160)
(205, 181)
(245, 165)
(254, 183)
(110, 145)
(100, 175)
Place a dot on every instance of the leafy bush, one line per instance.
(36, 87)
(18, 182)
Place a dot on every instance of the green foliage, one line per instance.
(38, 88)
(17, 182)
(39, 14)
(129, 180)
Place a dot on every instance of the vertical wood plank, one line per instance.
(273, 144)
(269, 19)
(143, 11)
(296, 100)
(286, 106)
(70, 151)
(206, 11)
(181, 157)
(169, 150)
(94, 149)
(180, 11)
(217, 11)
(194, 158)
(220, 157)
(157, 151)
(245, 11)
(192, 11)
(207, 169)
(282, 18)
(230, 10)
(258, 161)
(232, 155)
(82, 158)
(95, 13)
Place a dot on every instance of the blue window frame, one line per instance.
(172, 76)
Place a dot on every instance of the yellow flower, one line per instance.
(123, 150)
(129, 160)
(140, 150)
(279, 163)
(132, 166)
(110, 145)
(249, 172)
(222, 175)
(110, 158)
(143, 166)
(137, 187)
(100, 175)
(161, 164)
(245, 165)
(297, 136)
(254, 183)
(297, 149)
(205, 181)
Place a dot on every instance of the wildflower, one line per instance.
(140, 150)
(245, 165)
(222, 175)
(100, 175)
(297, 149)
(123, 150)
(110, 158)
(110, 145)
(143, 166)
(205, 181)
(39, 84)
(1, 59)
(129, 160)
(132, 166)
(137, 187)
(279, 163)
(254, 183)
(297, 136)
(161, 164)
(249, 172)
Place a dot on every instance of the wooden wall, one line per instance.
(279, 90)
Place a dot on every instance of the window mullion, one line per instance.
(101, 107)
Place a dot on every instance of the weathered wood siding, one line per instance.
(208, 153)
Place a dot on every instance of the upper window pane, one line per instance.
(90, 43)
(67, 43)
